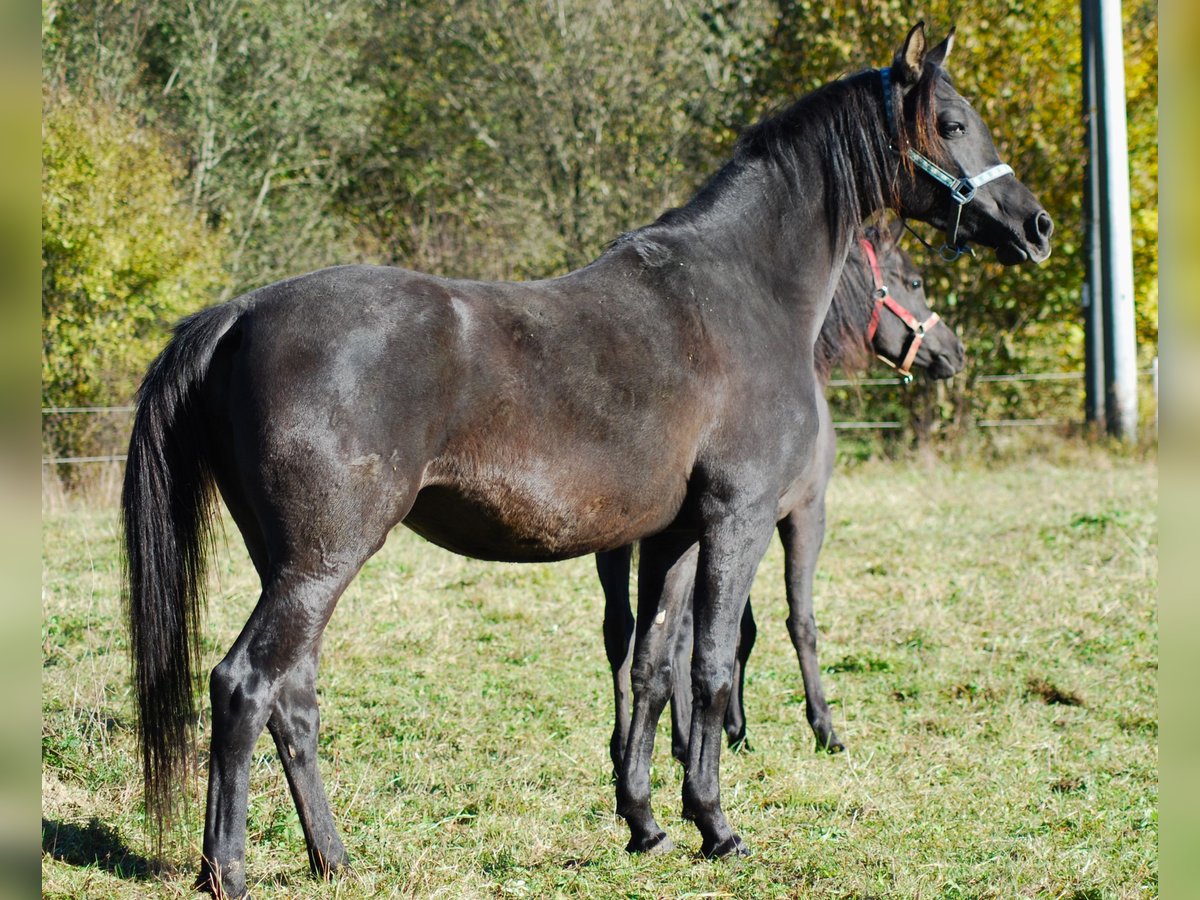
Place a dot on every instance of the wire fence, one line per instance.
(839, 425)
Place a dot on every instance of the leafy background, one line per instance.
(195, 150)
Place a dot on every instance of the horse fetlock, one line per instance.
(821, 722)
(632, 801)
(702, 803)
(738, 741)
(735, 724)
(829, 743)
(679, 748)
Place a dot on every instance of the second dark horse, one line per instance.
(665, 392)
(878, 309)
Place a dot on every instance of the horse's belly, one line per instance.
(523, 516)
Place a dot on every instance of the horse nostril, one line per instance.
(1043, 224)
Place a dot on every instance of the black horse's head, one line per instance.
(950, 174)
(904, 332)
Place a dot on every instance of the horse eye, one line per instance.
(953, 129)
(915, 283)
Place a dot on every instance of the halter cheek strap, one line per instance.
(884, 299)
(962, 190)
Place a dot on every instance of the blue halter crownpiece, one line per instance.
(962, 190)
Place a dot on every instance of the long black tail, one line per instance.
(166, 511)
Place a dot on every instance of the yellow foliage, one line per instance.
(123, 255)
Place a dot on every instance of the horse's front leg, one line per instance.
(803, 531)
(613, 568)
(664, 580)
(681, 696)
(730, 551)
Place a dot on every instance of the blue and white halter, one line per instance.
(962, 190)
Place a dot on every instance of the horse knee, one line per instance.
(652, 681)
(711, 688)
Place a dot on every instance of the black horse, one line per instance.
(664, 392)
(879, 309)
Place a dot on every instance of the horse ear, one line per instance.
(910, 58)
(896, 229)
(938, 54)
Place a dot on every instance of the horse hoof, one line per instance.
(329, 869)
(829, 743)
(740, 744)
(652, 846)
(731, 846)
(207, 882)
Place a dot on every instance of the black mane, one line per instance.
(841, 123)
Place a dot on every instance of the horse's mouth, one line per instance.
(1010, 253)
(943, 367)
(1015, 251)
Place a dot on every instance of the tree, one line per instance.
(123, 256)
(532, 134)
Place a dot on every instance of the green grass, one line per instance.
(990, 647)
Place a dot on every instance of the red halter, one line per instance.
(884, 298)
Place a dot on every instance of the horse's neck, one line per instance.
(778, 236)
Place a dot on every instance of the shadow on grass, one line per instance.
(93, 844)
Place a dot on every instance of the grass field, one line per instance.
(990, 646)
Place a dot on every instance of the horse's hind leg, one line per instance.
(681, 680)
(267, 676)
(735, 712)
(664, 580)
(294, 724)
(613, 568)
(295, 719)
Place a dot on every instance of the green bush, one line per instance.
(123, 257)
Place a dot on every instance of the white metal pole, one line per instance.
(1091, 299)
(1116, 229)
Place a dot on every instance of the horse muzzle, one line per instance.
(1031, 246)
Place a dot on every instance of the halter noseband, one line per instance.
(962, 190)
(883, 298)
